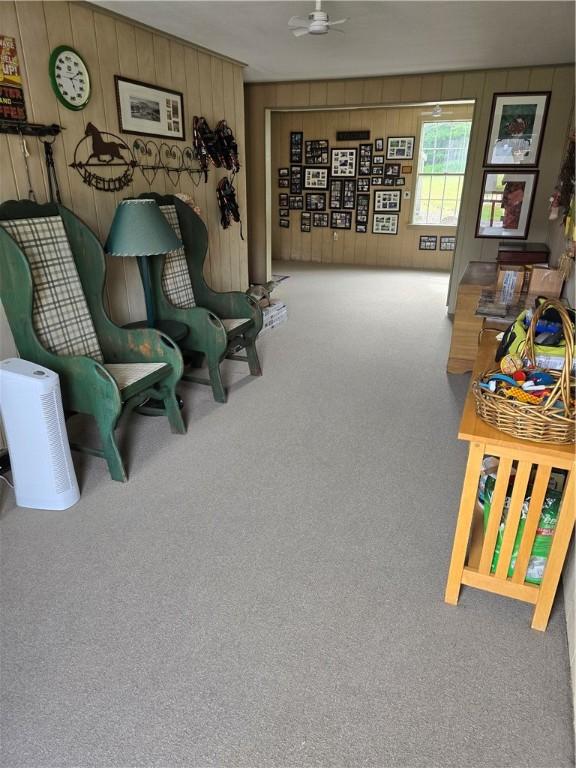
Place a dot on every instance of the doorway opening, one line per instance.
(367, 186)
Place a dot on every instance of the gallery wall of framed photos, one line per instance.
(365, 186)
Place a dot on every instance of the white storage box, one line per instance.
(274, 315)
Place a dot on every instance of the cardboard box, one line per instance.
(545, 281)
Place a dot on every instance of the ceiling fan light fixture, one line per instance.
(317, 23)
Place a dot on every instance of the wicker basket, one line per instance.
(545, 423)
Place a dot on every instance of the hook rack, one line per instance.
(30, 129)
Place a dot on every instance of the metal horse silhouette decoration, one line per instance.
(103, 150)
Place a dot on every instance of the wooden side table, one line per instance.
(473, 548)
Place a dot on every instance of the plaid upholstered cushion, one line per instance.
(176, 282)
(60, 314)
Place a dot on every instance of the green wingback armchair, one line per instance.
(52, 273)
(220, 323)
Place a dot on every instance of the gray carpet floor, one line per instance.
(267, 590)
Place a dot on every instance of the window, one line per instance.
(441, 166)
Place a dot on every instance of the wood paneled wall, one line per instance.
(351, 247)
(479, 85)
(212, 86)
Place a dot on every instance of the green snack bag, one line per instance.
(544, 532)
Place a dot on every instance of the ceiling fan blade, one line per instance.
(301, 31)
(296, 21)
(341, 31)
(338, 21)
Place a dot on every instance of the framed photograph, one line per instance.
(343, 162)
(506, 204)
(362, 207)
(406, 169)
(284, 223)
(283, 172)
(427, 243)
(319, 219)
(377, 170)
(400, 148)
(305, 222)
(392, 169)
(516, 130)
(283, 182)
(377, 181)
(388, 181)
(284, 213)
(316, 152)
(336, 191)
(379, 145)
(447, 243)
(341, 220)
(365, 160)
(363, 185)
(349, 194)
(283, 201)
(148, 110)
(387, 200)
(296, 138)
(296, 203)
(315, 201)
(296, 180)
(316, 178)
(400, 181)
(385, 224)
(378, 160)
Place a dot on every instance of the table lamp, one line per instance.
(140, 230)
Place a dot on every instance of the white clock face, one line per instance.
(72, 78)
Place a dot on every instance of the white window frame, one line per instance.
(420, 175)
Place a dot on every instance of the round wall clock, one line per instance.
(69, 77)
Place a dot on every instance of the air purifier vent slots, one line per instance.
(53, 418)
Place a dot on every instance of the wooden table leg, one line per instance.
(464, 522)
(558, 550)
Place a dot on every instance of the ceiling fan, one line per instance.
(317, 23)
(437, 111)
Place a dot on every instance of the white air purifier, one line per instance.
(33, 418)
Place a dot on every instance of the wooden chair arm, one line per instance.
(86, 385)
(141, 345)
(233, 305)
(206, 333)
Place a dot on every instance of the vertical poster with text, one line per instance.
(12, 107)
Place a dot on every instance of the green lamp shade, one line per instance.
(140, 229)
